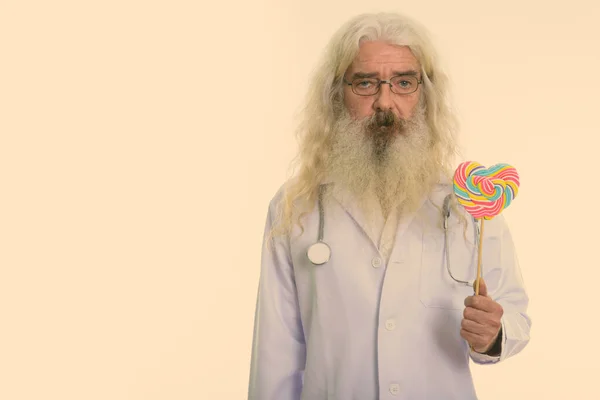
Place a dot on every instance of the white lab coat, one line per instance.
(362, 328)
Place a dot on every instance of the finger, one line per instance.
(475, 340)
(479, 316)
(478, 342)
(487, 334)
(473, 314)
(482, 303)
(481, 323)
(474, 327)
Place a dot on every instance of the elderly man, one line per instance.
(367, 269)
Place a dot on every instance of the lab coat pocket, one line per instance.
(437, 288)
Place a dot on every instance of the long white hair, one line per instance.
(324, 103)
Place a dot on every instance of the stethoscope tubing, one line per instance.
(319, 253)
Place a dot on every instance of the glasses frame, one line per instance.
(381, 82)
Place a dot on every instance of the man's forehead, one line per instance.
(380, 54)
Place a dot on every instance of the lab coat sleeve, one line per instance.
(505, 285)
(278, 348)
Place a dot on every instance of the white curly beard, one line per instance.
(392, 166)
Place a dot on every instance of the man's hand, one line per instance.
(481, 323)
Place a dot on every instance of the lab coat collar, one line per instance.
(346, 200)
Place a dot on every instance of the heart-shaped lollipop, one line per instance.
(485, 192)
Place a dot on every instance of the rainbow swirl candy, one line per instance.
(485, 192)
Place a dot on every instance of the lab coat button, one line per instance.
(390, 325)
(376, 262)
(394, 389)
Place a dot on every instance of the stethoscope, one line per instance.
(476, 229)
(319, 253)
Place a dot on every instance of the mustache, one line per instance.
(385, 119)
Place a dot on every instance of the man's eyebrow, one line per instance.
(410, 72)
(357, 75)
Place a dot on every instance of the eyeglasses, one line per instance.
(401, 84)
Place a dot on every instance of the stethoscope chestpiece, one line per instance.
(319, 253)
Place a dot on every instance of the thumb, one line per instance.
(482, 287)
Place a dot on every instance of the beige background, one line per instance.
(141, 143)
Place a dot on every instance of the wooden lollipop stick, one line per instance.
(479, 259)
(478, 265)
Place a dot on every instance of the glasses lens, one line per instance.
(404, 84)
(365, 86)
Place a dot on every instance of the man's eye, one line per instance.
(364, 84)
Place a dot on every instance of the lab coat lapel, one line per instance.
(373, 228)
(370, 228)
(405, 220)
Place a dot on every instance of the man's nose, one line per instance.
(383, 99)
